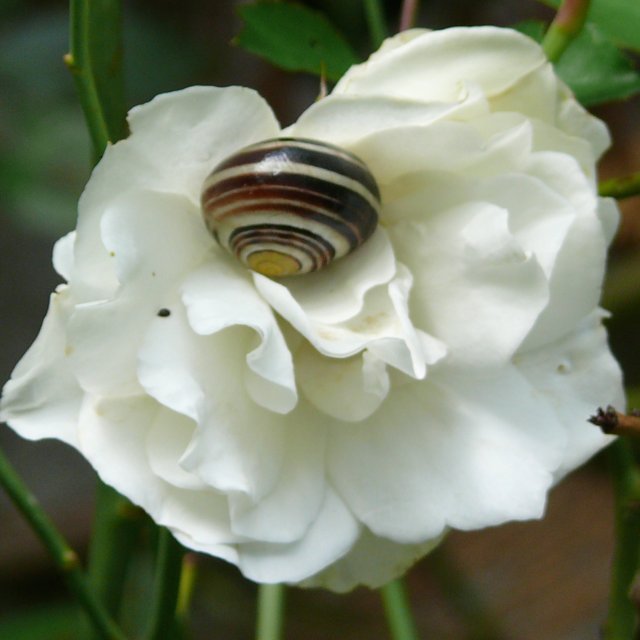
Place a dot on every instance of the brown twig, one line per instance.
(615, 423)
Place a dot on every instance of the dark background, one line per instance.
(544, 579)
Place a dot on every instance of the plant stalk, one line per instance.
(64, 557)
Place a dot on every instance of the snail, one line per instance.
(289, 206)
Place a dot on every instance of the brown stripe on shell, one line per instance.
(320, 185)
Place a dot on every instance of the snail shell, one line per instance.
(289, 206)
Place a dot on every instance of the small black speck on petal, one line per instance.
(164, 313)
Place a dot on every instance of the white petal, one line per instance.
(444, 146)
(609, 215)
(576, 281)
(336, 293)
(538, 217)
(341, 316)
(344, 120)
(474, 288)
(348, 389)
(466, 452)
(63, 254)
(238, 445)
(286, 513)
(577, 375)
(534, 95)
(433, 66)
(167, 440)
(153, 239)
(359, 568)
(218, 296)
(114, 439)
(331, 536)
(576, 121)
(42, 399)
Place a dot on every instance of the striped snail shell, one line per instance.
(289, 206)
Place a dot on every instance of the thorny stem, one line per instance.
(64, 557)
(565, 27)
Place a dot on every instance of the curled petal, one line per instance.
(218, 296)
(237, 445)
(329, 538)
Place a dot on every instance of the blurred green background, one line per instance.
(538, 580)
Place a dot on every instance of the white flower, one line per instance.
(329, 429)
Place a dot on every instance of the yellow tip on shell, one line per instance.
(273, 264)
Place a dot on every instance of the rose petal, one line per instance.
(464, 451)
(63, 254)
(114, 439)
(286, 513)
(331, 536)
(564, 372)
(42, 399)
(433, 67)
(344, 119)
(474, 287)
(348, 389)
(356, 568)
(337, 293)
(167, 440)
(218, 296)
(140, 230)
(238, 445)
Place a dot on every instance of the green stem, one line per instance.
(186, 587)
(622, 617)
(79, 64)
(116, 530)
(619, 188)
(408, 14)
(375, 21)
(398, 611)
(270, 611)
(95, 63)
(565, 27)
(163, 624)
(64, 557)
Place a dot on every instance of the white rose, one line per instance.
(329, 429)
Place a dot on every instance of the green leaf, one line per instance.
(535, 29)
(619, 19)
(595, 69)
(295, 38)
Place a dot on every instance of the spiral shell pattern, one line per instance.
(289, 206)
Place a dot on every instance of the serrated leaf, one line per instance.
(619, 19)
(295, 38)
(595, 69)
